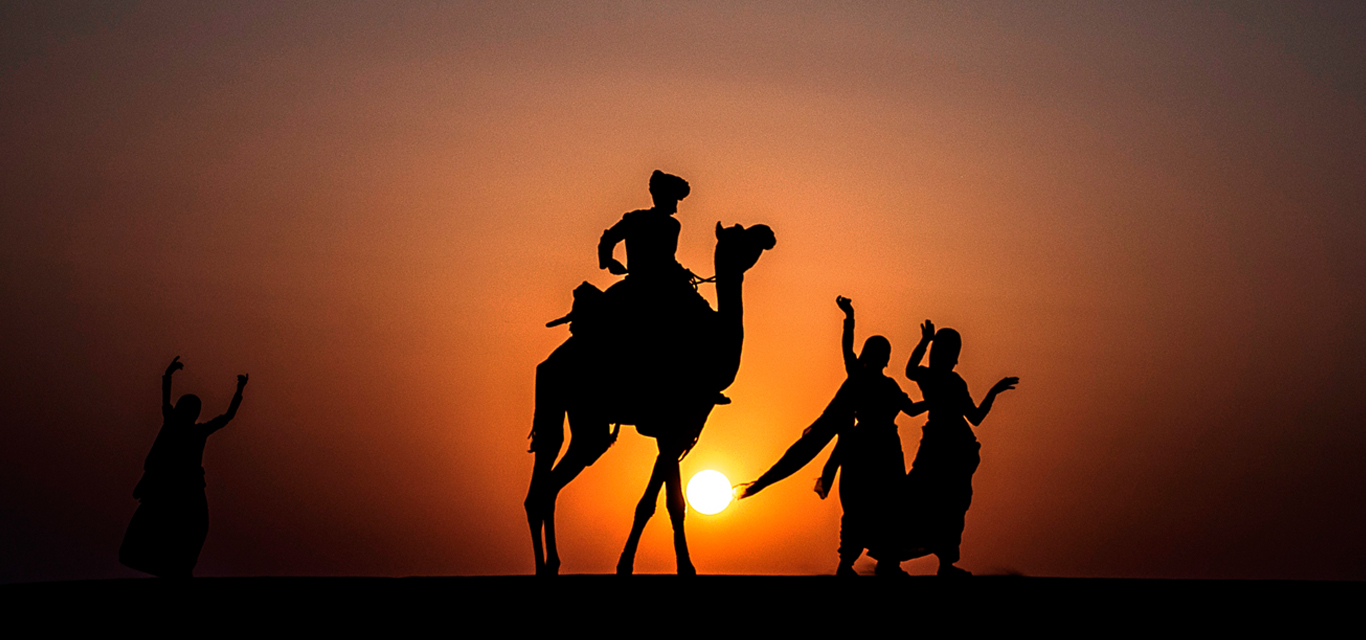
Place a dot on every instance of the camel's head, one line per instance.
(738, 248)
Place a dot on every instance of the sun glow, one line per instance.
(709, 492)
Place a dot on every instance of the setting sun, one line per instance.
(709, 492)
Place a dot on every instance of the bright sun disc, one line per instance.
(709, 492)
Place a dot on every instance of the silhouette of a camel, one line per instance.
(661, 370)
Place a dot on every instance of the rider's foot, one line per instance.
(721, 399)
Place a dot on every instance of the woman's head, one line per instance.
(877, 350)
(187, 408)
(667, 189)
(947, 345)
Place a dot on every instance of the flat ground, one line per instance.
(788, 605)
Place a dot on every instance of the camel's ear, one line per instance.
(718, 229)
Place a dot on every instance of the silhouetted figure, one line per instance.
(168, 529)
(648, 352)
(863, 416)
(657, 302)
(654, 276)
(940, 483)
(651, 235)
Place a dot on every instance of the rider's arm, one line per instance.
(608, 243)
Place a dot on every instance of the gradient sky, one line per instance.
(1151, 213)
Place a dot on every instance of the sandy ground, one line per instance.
(800, 606)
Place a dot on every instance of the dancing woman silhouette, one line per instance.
(940, 482)
(172, 521)
(862, 415)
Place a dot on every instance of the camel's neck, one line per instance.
(730, 336)
(730, 303)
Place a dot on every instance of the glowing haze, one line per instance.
(1150, 214)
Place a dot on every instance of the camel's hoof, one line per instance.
(890, 569)
(687, 570)
(950, 571)
(626, 565)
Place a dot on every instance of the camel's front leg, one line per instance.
(677, 509)
(644, 510)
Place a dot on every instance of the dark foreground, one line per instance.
(672, 605)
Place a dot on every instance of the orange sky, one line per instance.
(1151, 215)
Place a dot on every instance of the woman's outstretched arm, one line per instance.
(918, 353)
(832, 466)
(976, 414)
(223, 420)
(847, 337)
(166, 386)
(836, 416)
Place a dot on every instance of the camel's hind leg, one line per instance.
(557, 396)
(644, 510)
(536, 514)
(546, 485)
(673, 484)
(589, 442)
(547, 438)
(665, 475)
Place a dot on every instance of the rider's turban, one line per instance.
(668, 186)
